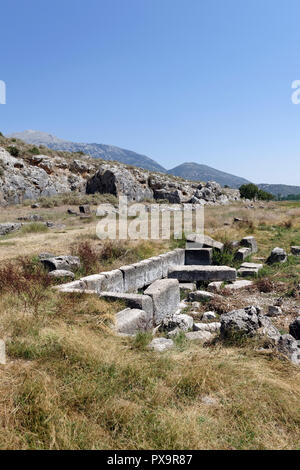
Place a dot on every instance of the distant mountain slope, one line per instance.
(280, 189)
(107, 152)
(194, 171)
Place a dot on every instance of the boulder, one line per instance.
(294, 328)
(207, 316)
(274, 311)
(200, 295)
(118, 181)
(68, 263)
(295, 250)
(278, 255)
(288, 346)
(182, 322)
(161, 344)
(8, 227)
(243, 321)
(201, 336)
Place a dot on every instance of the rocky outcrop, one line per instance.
(34, 176)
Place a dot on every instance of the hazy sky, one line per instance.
(178, 80)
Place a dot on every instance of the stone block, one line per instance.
(202, 273)
(134, 301)
(201, 256)
(165, 296)
(131, 320)
(295, 250)
(2, 352)
(242, 254)
(249, 242)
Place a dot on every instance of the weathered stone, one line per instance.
(201, 336)
(130, 278)
(257, 266)
(181, 321)
(249, 242)
(237, 285)
(213, 327)
(242, 254)
(278, 255)
(247, 272)
(7, 228)
(274, 311)
(243, 321)
(200, 295)
(46, 256)
(195, 240)
(166, 297)
(114, 281)
(133, 301)
(209, 316)
(85, 209)
(295, 328)
(118, 181)
(161, 344)
(61, 273)
(267, 329)
(201, 256)
(95, 282)
(131, 321)
(295, 250)
(202, 273)
(187, 287)
(2, 352)
(288, 346)
(68, 263)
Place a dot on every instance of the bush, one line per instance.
(14, 151)
(34, 151)
(251, 191)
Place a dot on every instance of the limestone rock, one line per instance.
(278, 255)
(161, 344)
(295, 328)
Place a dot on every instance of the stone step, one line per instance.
(196, 273)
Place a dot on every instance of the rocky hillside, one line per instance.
(282, 190)
(28, 172)
(105, 152)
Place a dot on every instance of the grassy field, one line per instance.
(70, 383)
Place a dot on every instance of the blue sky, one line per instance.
(178, 80)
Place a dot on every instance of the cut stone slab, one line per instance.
(161, 344)
(213, 327)
(249, 242)
(199, 295)
(131, 320)
(295, 250)
(242, 254)
(202, 273)
(201, 256)
(200, 336)
(2, 352)
(113, 281)
(133, 301)
(61, 273)
(203, 241)
(252, 265)
(247, 272)
(130, 275)
(165, 296)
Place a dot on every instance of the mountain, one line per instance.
(197, 172)
(107, 152)
(280, 189)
